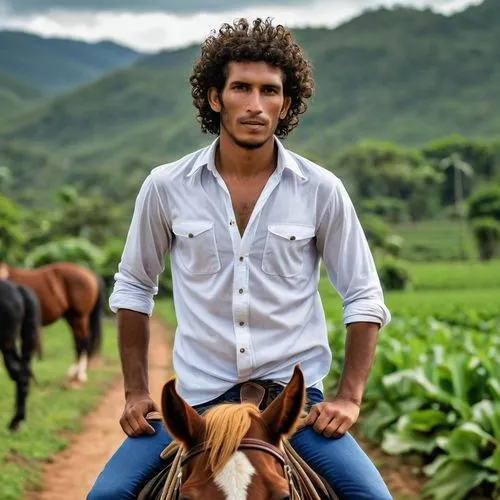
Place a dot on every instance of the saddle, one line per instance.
(305, 483)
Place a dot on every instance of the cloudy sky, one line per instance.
(149, 25)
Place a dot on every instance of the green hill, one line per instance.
(54, 64)
(402, 75)
(15, 96)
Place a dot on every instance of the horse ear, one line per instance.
(181, 420)
(283, 413)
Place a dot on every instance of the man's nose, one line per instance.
(254, 102)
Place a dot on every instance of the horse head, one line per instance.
(233, 452)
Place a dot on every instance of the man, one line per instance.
(245, 223)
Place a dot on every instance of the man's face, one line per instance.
(251, 103)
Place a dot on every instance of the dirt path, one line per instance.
(72, 472)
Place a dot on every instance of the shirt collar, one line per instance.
(285, 159)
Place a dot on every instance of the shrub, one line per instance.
(394, 275)
(77, 250)
(487, 233)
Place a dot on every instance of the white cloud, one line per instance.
(155, 30)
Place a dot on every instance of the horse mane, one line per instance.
(226, 426)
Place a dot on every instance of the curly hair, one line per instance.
(261, 42)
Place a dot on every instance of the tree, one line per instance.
(460, 169)
(11, 238)
(373, 170)
(480, 155)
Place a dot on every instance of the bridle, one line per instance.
(245, 444)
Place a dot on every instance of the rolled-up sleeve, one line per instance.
(348, 260)
(148, 240)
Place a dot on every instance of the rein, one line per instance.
(245, 444)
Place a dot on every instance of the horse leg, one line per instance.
(19, 372)
(80, 327)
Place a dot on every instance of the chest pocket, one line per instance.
(196, 246)
(284, 249)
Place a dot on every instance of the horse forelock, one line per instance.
(226, 426)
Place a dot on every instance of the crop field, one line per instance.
(436, 240)
(434, 390)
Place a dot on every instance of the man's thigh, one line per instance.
(133, 463)
(342, 463)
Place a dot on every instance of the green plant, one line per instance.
(487, 233)
(394, 274)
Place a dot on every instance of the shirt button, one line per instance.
(231, 223)
(241, 259)
(292, 238)
(242, 350)
(240, 291)
(242, 323)
(190, 235)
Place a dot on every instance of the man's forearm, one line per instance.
(133, 342)
(359, 354)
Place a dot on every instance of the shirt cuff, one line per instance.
(121, 300)
(367, 310)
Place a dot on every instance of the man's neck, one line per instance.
(235, 161)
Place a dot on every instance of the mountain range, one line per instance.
(402, 75)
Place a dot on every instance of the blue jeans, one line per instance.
(341, 462)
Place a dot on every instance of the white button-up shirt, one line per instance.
(247, 306)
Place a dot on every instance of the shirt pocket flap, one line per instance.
(292, 231)
(189, 229)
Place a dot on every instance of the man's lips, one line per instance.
(253, 122)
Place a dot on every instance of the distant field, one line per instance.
(455, 275)
(52, 410)
(435, 240)
(444, 290)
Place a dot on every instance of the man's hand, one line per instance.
(133, 419)
(332, 419)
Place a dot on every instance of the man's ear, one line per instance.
(287, 102)
(214, 99)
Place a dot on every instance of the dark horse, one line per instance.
(71, 291)
(19, 315)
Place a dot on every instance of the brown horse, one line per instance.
(69, 291)
(233, 451)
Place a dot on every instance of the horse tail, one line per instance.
(31, 340)
(94, 345)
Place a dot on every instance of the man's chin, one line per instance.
(251, 143)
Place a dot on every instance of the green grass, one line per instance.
(52, 410)
(455, 275)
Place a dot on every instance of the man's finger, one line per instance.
(343, 428)
(135, 424)
(141, 424)
(127, 429)
(322, 422)
(313, 414)
(332, 427)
